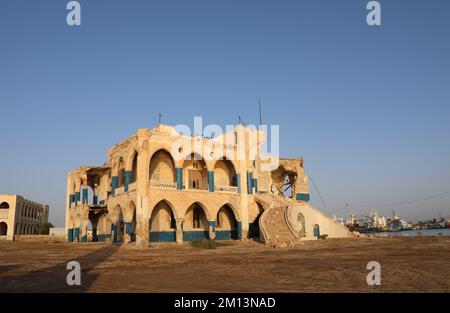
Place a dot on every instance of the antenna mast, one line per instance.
(260, 115)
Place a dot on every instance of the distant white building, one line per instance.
(19, 216)
(57, 231)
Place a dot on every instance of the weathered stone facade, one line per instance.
(153, 189)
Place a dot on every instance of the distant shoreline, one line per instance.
(412, 233)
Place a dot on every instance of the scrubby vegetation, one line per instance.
(207, 244)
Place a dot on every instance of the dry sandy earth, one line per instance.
(339, 265)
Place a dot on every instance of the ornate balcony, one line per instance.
(223, 188)
(162, 185)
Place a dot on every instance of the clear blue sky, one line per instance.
(367, 107)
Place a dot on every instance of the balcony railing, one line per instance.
(223, 188)
(162, 185)
(120, 190)
(132, 187)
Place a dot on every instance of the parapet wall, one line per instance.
(39, 238)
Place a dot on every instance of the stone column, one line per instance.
(212, 229)
(84, 225)
(239, 230)
(179, 231)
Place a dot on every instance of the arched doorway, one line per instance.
(130, 224)
(162, 223)
(316, 231)
(3, 229)
(162, 169)
(90, 194)
(134, 168)
(121, 173)
(226, 224)
(103, 228)
(195, 223)
(195, 173)
(120, 228)
(253, 231)
(224, 175)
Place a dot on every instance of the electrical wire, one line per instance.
(318, 192)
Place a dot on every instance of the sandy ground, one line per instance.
(420, 264)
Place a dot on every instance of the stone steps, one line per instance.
(276, 227)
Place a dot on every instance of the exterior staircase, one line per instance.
(273, 224)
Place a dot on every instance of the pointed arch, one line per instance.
(162, 167)
(3, 229)
(162, 224)
(195, 222)
(195, 172)
(226, 224)
(121, 172)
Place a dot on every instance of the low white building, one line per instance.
(57, 231)
(19, 216)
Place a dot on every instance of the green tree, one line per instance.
(44, 229)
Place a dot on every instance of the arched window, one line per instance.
(121, 172)
(4, 205)
(3, 229)
(197, 216)
(224, 174)
(134, 167)
(162, 223)
(316, 230)
(195, 174)
(162, 167)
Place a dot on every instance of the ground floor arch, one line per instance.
(119, 227)
(226, 224)
(104, 227)
(130, 222)
(162, 224)
(195, 223)
(3, 229)
(254, 231)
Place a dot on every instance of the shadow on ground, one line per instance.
(53, 279)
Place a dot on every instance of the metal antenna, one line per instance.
(260, 115)
(159, 118)
(241, 121)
